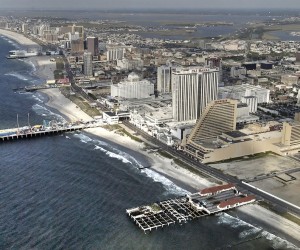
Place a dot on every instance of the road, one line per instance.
(215, 172)
(78, 89)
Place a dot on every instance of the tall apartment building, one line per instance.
(77, 46)
(42, 28)
(87, 64)
(133, 87)
(116, 52)
(215, 62)
(25, 28)
(192, 89)
(79, 29)
(92, 45)
(164, 78)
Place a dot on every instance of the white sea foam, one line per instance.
(249, 232)
(117, 156)
(277, 243)
(17, 75)
(100, 148)
(83, 138)
(227, 219)
(31, 64)
(169, 185)
(37, 97)
(112, 154)
(43, 111)
(126, 158)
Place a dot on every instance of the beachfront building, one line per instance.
(132, 88)
(219, 116)
(192, 89)
(215, 138)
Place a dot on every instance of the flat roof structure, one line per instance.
(217, 189)
(236, 201)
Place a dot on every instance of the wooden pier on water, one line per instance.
(27, 134)
(208, 201)
(33, 88)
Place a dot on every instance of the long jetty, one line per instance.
(208, 201)
(33, 88)
(16, 134)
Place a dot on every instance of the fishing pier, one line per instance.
(33, 88)
(208, 201)
(48, 129)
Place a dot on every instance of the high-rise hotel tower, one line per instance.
(192, 89)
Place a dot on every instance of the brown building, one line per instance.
(77, 46)
(92, 45)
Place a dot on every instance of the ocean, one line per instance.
(71, 191)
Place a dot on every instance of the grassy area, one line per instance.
(286, 215)
(121, 131)
(165, 154)
(80, 102)
(112, 127)
(131, 136)
(60, 67)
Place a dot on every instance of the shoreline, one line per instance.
(178, 175)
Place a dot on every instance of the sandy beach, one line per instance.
(164, 166)
(19, 38)
(67, 108)
(44, 66)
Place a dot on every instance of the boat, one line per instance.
(16, 54)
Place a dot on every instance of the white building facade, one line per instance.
(164, 79)
(244, 90)
(192, 89)
(88, 65)
(133, 87)
(252, 102)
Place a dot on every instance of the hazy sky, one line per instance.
(131, 4)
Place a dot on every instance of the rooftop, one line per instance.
(217, 189)
(235, 201)
(235, 134)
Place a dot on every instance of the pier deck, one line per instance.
(33, 88)
(185, 208)
(16, 133)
